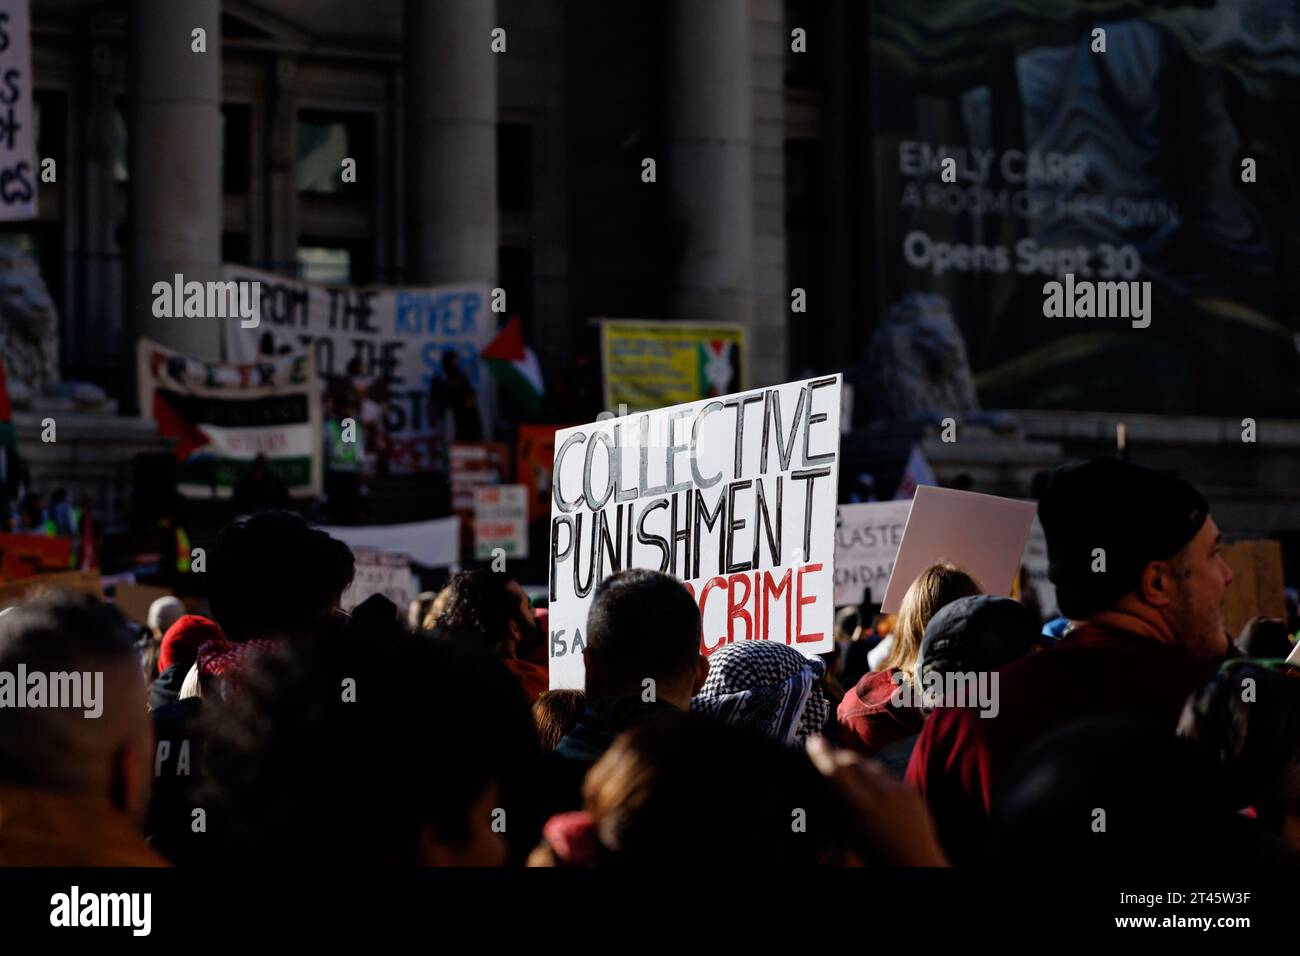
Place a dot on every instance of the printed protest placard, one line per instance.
(18, 171)
(735, 495)
(500, 521)
(399, 336)
(866, 543)
(380, 572)
(653, 364)
(984, 535)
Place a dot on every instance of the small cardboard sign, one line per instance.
(84, 582)
(134, 600)
(984, 535)
(1257, 586)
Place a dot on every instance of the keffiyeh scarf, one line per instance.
(767, 686)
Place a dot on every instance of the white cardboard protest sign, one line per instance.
(735, 495)
(866, 543)
(434, 544)
(380, 572)
(18, 171)
(501, 520)
(1035, 562)
(984, 535)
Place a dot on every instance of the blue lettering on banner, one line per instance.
(451, 313)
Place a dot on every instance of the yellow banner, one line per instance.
(654, 364)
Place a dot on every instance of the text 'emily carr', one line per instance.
(735, 495)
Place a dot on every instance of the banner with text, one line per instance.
(735, 495)
(380, 572)
(651, 364)
(866, 543)
(1019, 150)
(224, 415)
(18, 171)
(396, 337)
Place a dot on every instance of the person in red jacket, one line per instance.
(1135, 557)
(870, 716)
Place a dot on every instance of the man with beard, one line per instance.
(1138, 569)
(490, 608)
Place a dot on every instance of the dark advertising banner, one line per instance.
(1102, 197)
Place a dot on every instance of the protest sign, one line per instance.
(654, 364)
(134, 600)
(434, 544)
(23, 589)
(534, 456)
(22, 555)
(18, 171)
(1257, 586)
(397, 335)
(735, 495)
(224, 415)
(380, 572)
(984, 535)
(866, 543)
(474, 464)
(1035, 563)
(501, 521)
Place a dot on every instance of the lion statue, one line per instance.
(916, 361)
(29, 326)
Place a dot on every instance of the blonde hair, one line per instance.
(934, 588)
(436, 608)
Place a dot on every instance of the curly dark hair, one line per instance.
(479, 608)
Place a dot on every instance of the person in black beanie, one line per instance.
(1135, 557)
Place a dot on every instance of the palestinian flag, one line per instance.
(223, 415)
(514, 365)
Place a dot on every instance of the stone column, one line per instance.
(174, 134)
(451, 136)
(711, 175)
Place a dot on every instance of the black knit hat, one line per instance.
(1133, 514)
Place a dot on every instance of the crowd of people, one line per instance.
(281, 730)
